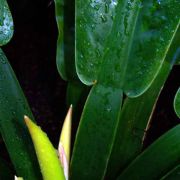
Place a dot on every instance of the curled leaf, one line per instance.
(65, 142)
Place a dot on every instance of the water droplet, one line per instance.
(108, 108)
(103, 18)
(159, 2)
(106, 8)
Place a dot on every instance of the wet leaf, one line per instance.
(6, 23)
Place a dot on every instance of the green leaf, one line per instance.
(59, 8)
(6, 23)
(94, 21)
(47, 156)
(177, 103)
(135, 48)
(65, 45)
(157, 159)
(174, 174)
(76, 93)
(13, 106)
(5, 172)
(135, 118)
(96, 133)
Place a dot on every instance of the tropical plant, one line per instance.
(119, 58)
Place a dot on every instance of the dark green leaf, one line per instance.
(156, 160)
(174, 174)
(135, 117)
(5, 172)
(6, 23)
(65, 45)
(96, 133)
(135, 48)
(13, 106)
(93, 24)
(177, 103)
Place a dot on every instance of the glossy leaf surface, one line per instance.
(157, 159)
(132, 126)
(96, 133)
(6, 23)
(46, 153)
(177, 103)
(94, 21)
(135, 48)
(13, 106)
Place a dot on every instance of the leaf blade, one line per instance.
(95, 133)
(6, 23)
(166, 148)
(13, 130)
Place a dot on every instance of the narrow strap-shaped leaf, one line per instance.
(59, 8)
(13, 106)
(157, 159)
(6, 23)
(174, 174)
(177, 103)
(47, 156)
(65, 143)
(96, 133)
(5, 172)
(132, 126)
(65, 45)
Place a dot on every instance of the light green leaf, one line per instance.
(47, 156)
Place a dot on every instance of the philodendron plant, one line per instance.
(123, 51)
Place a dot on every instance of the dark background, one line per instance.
(32, 54)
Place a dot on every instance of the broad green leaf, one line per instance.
(157, 159)
(177, 103)
(135, 118)
(137, 44)
(94, 21)
(47, 156)
(13, 106)
(174, 174)
(96, 133)
(5, 171)
(6, 23)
